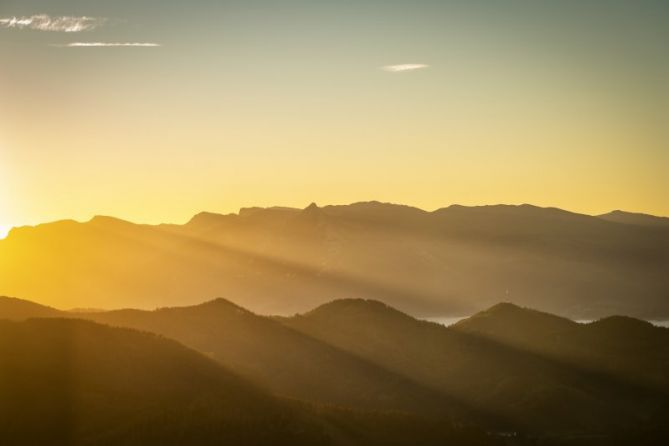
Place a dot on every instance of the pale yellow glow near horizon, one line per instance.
(410, 157)
(4, 230)
(505, 114)
(5, 215)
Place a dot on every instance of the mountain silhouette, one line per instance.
(629, 349)
(634, 218)
(19, 310)
(72, 382)
(507, 368)
(505, 361)
(66, 381)
(282, 360)
(453, 261)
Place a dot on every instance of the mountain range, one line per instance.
(453, 261)
(67, 382)
(352, 362)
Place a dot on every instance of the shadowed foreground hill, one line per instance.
(633, 218)
(19, 310)
(279, 358)
(70, 381)
(633, 350)
(66, 382)
(484, 361)
(453, 261)
(506, 368)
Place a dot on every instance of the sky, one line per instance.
(155, 110)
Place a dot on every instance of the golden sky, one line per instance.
(154, 112)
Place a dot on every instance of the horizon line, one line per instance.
(10, 227)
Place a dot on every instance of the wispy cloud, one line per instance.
(105, 44)
(404, 67)
(43, 22)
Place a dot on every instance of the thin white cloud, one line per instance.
(43, 22)
(106, 44)
(404, 67)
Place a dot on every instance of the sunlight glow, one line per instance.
(4, 231)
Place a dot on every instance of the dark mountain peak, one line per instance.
(205, 216)
(18, 309)
(352, 303)
(635, 218)
(212, 307)
(252, 211)
(256, 209)
(465, 208)
(245, 212)
(521, 210)
(27, 230)
(208, 220)
(375, 204)
(505, 308)
(269, 214)
(376, 208)
(617, 213)
(220, 302)
(350, 308)
(508, 309)
(507, 319)
(502, 312)
(311, 215)
(379, 216)
(107, 220)
(622, 324)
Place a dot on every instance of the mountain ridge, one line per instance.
(246, 210)
(452, 261)
(372, 356)
(71, 381)
(636, 218)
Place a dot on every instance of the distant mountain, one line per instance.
(65, 382)
(453, 261)
(633, 218)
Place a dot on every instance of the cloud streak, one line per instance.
(404, 67)
(43, 22)
(106, 44)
